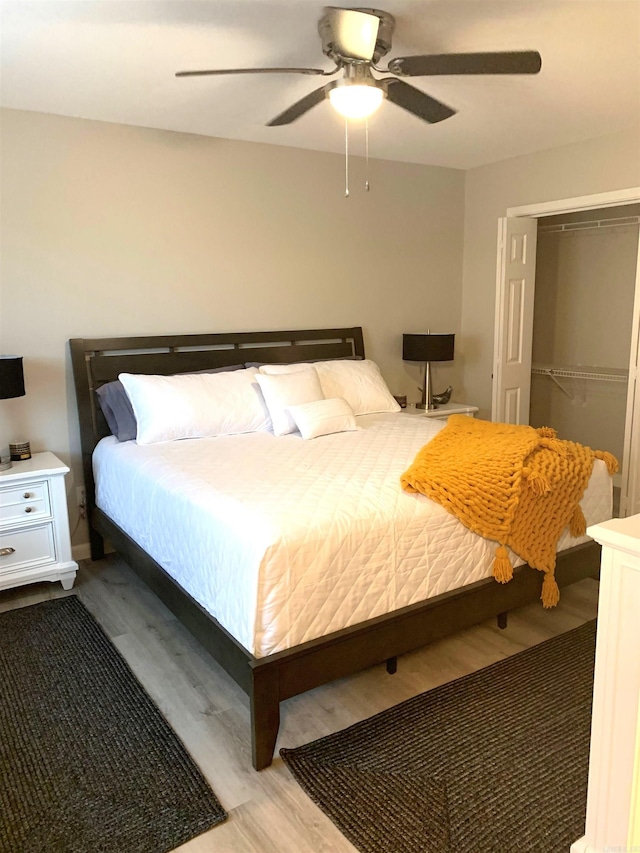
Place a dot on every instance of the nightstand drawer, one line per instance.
(23, 547)
(27, 502)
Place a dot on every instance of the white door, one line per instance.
(630, 486)
(515, 291)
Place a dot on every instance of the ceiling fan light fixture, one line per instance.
(355, 100)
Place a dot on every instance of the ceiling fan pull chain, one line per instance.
(366, 148)
(346, 158)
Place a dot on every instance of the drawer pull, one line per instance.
(27, 495)
(28, 509)
(5, 552)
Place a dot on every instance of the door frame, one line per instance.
(615, 198)
(630, 485)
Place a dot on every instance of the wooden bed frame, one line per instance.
(269, 680)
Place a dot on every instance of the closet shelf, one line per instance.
(569, 227)
(601, 374)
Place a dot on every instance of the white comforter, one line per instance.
(284, 540)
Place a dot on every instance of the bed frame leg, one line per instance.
(265, 717)
(502, 620)
(96, 544)
(392, 665)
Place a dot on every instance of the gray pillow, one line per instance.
(118, 411)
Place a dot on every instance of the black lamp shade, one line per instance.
(427, 347)
(11, 377)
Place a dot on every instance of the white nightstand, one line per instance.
(443, 411)
(34, 526)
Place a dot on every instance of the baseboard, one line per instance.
(83, 551)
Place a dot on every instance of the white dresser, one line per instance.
(613, 799)
(34, 526)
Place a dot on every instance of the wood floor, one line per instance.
(268, 812)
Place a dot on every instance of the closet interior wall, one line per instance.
(584, 295)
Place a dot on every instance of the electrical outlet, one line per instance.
(81, 501)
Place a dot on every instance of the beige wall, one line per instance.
(113, 230)
(599, 165)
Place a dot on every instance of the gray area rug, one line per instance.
(495, 762)
(88, 764)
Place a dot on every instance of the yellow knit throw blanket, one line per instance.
(518, 485)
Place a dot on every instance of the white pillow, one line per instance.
(359, 382)
(288, 389)
(279, 369)
(196, 405)
(323, 417)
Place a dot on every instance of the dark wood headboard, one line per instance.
(96, 361)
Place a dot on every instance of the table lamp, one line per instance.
(427, 348)
(11, 385)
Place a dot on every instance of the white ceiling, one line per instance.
(114, 60)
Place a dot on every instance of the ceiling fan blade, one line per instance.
(514, 62)
(354, 33)
(256, 71)
(415, 101)
(299, 108)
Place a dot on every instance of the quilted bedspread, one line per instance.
(284, 540)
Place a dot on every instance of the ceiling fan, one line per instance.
(356, 39)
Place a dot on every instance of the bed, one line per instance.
(290, 578)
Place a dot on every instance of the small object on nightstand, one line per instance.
(19, 451)
(440, 399)
(35, 544)
(401, 400)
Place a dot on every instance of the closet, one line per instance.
(585, 284)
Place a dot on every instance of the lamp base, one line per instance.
(427, 397)
(427, 407)
(5, 464)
